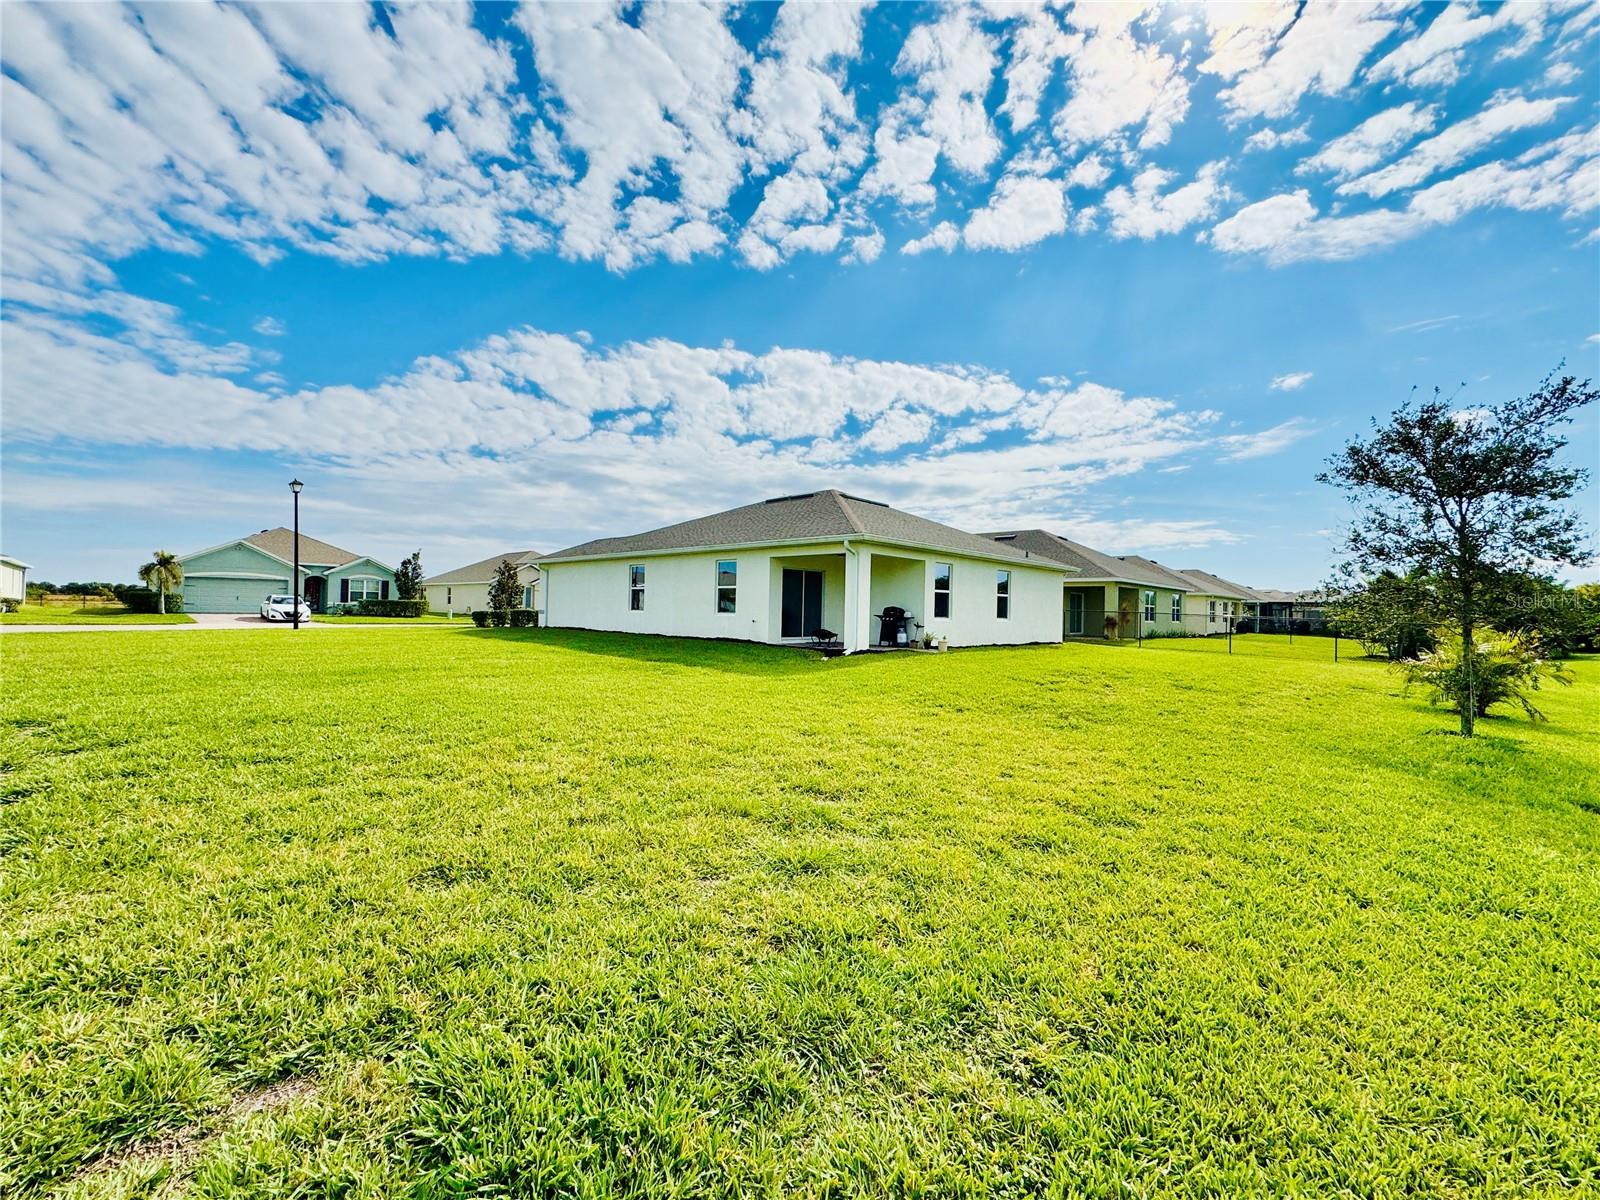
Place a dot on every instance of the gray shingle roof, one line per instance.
(1093, 564)
(483, 572)
(1214, 585)
(280, 541)
(814, 515)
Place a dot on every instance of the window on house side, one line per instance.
(1002, 595)
(727, 585)
(1177, 606)
(1149, 608)
(636, 588)
(941, 590)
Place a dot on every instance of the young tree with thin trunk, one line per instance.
(506, 589)
(1466, 495)
(163, 571)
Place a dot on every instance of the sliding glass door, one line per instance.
(802, 603)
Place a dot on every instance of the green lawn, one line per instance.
(89, 614)
(462, 912)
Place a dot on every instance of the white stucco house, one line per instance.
(466, 589)
(780, 570)
(13, 579)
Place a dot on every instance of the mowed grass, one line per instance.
(432, 618)
(548, 913)
(89, 614)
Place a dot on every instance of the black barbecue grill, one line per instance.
(893, 628)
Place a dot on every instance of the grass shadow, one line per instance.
(705, 654)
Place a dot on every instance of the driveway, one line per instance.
(210, 621)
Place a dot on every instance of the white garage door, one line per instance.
(212, 595)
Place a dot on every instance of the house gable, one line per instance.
(236, 560)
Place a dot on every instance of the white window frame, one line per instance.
(1177, 607)
(948, 591)
(635, 587)
(375, 594)
(1150, 606)
(1211, 611)
(1002, 594)
(718, 587)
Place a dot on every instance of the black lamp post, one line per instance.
(294, 486)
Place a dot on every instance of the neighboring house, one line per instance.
(1137, 594)
(1295, 612)
(466, 589)
(236, 576)
(780, 570)
(13, 579)
(1220, 601)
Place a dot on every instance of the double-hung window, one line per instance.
(1211, 611)
(727, 585)
(1002, 595)
(636, 587)
(365, 589)
(1177, 607)
(1149, 608)
(941, 590)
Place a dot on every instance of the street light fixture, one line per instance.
(294, 486)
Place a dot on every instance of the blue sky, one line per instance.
(520, 276)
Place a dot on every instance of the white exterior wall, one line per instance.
(680, 594)
(13, 580)
(1036, 599)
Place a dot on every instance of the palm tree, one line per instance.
(163, 571)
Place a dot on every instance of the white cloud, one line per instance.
(1291, 382)
(1271, 54)
(941, 113)
(270, 327)
(606, 436)
(1119, 84)
(1272, 139)
(943, 236)
(625, 134)
(1089, 173)
(1237, 447)
(1372, 141)
(1145, 212)
(1024, 209)
(1446, 149)
(1434, 57)
(1559, 175)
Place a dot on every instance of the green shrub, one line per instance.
(8, 605)
(499, 618)
(1503, 668)
(391, 608)
(147, 600)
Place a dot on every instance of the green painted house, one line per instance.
(237, 576)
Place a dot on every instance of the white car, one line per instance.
(281, 608)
